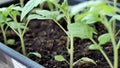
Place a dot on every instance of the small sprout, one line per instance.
(10, 41)
(35, 53)
(104, 38)
(59, 58)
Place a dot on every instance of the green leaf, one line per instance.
(54, 1)
(60, 16)
(29, 6)
(2, 18)
(64, 5)
(80, 30)
(18, 8)
(15, 25)
(2, 9)
(104, 38)
(80, 7)
(44, 14)
(117, 17)
(8, 10)
(48, 14)
(11, 41)
(36, 16)
(94, 47)
(105, 9)
(79, 17)
(86, 59)
(14, 14)
(91, 18)
(36, 54)
(59, 58)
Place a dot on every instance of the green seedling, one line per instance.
(3, 20)
(75, 29)
(84, 14)
(3, 27)
(18, 28)
(100, 11)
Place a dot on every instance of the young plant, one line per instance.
(3, 27)
(84, 15)
(75, 29)
(18, 28)
(3, 20)
(99, 12)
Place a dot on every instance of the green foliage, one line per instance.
(15, 26)
(10, 19)
(94, 47)
(44, 14)
(59, 58)
(35, 53)
(29, 6)
(104, 38)
(54, 1)
(10, 41)
(117, 17)
(80, 7)
(2, 19)
(80, 30)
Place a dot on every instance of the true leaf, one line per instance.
(8, 10)
(78, 17)
(94, 47)
(104, 38)
(105, 9)
(80, 7)
(2, 18)
(91, 18)
(117, 17)
(64, 5)
(36, 16)
(44, 14)
(59, 58)
(18, 8)
(2, 9)
(15, 25)
(48, 14)
(14, 13)
(29, 6)
(80, 30)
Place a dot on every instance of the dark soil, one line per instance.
(49, 40)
